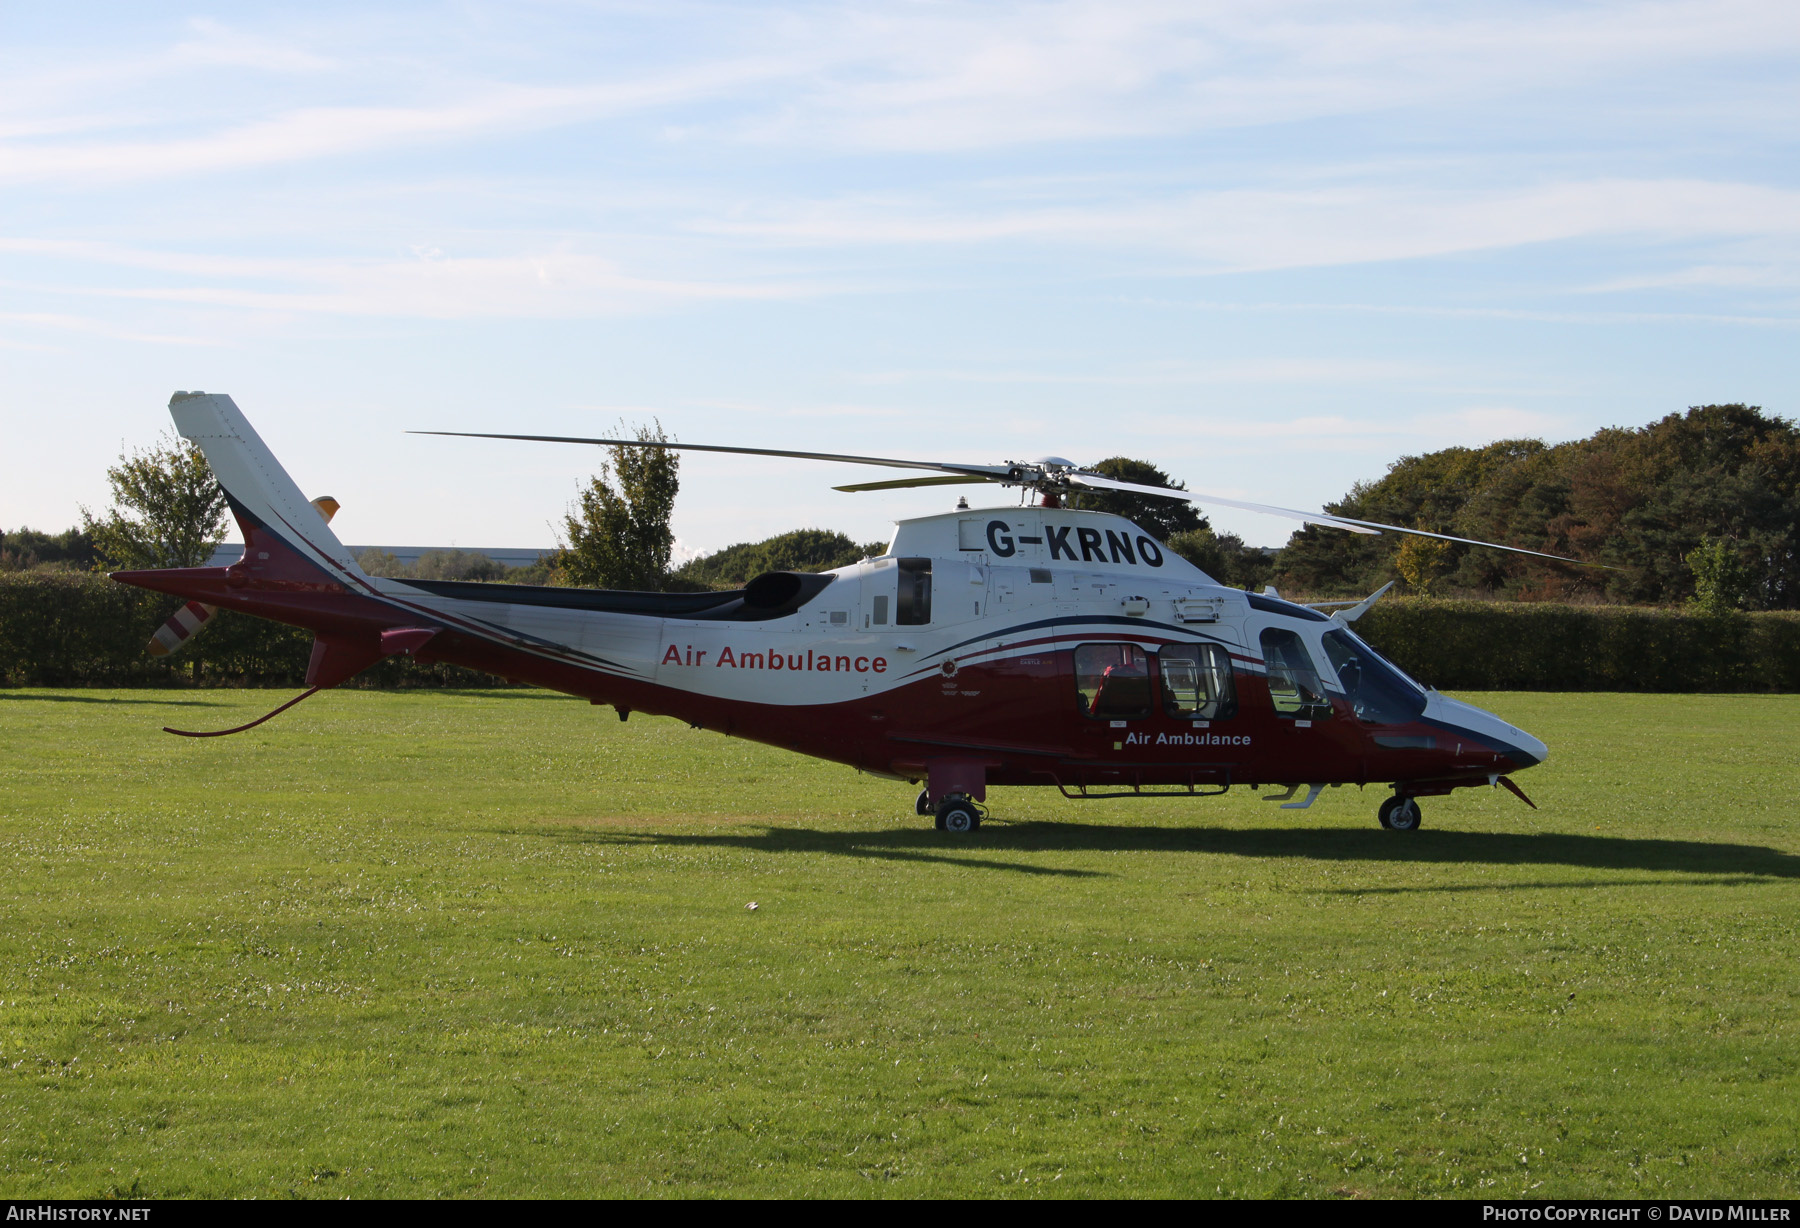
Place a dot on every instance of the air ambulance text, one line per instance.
(800, 662)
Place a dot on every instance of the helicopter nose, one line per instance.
(1532, 750)
(1509, 740)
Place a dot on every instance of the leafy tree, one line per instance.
(1641, 501)
(458, 565)
(167, 510)
(547, 570)
(29, 550)
(798, 550)
(386, 563)
(619, 534)
(1161, 518)
(1419, 492)
(1421, 561)
(1724, 471)
(1722, 583)
(1224, 557)
(433, 565)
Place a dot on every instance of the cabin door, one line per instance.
(1115, 689)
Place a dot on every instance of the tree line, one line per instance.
(1701, 508)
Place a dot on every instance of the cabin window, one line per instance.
(880, 604)
(1041, 575)
(1294, 683)
(1112, 681)
(913, 608)
(1196, 682)
(1377, 692)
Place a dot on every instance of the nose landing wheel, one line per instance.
(958, 815)
(1400, 814)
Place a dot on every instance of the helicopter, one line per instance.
(1040, 644)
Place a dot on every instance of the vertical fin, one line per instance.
(257, 484)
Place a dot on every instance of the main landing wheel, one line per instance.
(1400, 814)
(957, 815)
(923, 805)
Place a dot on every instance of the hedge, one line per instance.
(1531, 646)
(74, 629)
(81, 629)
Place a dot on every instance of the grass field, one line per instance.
(498, 944)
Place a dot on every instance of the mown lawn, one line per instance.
(499, 944)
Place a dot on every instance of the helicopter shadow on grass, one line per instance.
(883, 845)
(1720, 863)
(1426, 847)
(507, 693)
(107, 699)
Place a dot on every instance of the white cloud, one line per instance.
(305, 133)
(1232, 371)
(969, 76)
(64, 322)
(217, 44)
(1589, 317)
(1010, 178)
(1496, 422)
(856, 77)
(1268, 229)
(1471, 426)
(1198, 233)
(1777, 273)
(548, 283)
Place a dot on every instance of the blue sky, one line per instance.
(1270, 247)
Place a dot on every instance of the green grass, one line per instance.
(498, 944)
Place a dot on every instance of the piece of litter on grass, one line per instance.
(751, 906)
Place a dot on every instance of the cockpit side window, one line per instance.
(1377, 692)
(1294, 683)
(1196, 682)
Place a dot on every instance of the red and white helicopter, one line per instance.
(1037, 645)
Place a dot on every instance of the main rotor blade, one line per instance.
(902, 483)
(1344, 521)
(1104, 483)
(985, 472)
(1347, 523)
(972, 474)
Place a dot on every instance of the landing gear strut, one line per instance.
(1400, 813)
(958, 815)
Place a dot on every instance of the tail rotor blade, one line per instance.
(183, 624)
